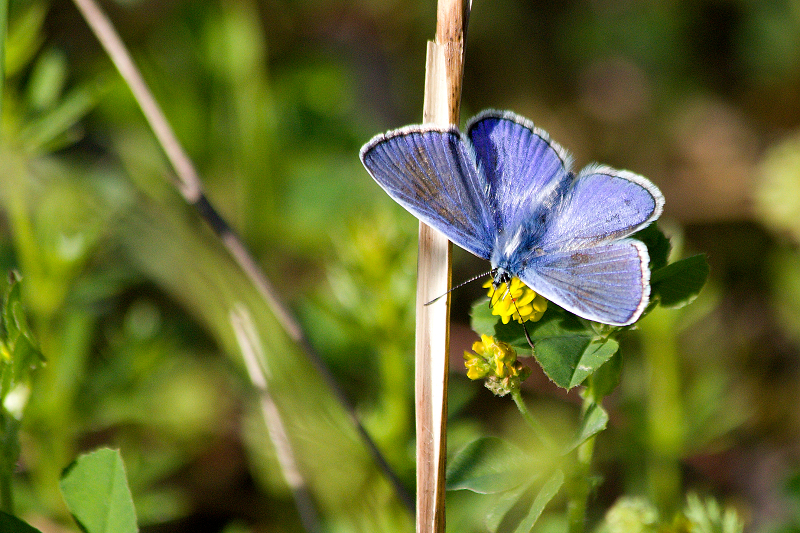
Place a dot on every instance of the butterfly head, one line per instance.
(500, 276)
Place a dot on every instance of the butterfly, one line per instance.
(504, 191)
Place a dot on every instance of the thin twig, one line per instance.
(253, 354)
(3, 34)
(191, 189)
(442, 100)
(117, 51)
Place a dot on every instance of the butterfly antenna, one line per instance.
(470, 280)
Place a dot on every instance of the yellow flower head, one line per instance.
(496, 362)
(521, 303)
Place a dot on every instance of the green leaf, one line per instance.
(658, 245)
(594, 421)
(19, 352)
(483, 321)
(606, 378)
(679, 283)
(509, 508)
(25, 36)
(568, 359)
(556, 322)
(47, 79)
(566, 348)
(12, 524)
(16, 335)
(559, 356)
(42, 135)
(546, 493)
(707, 516)
(488, 465)
(96, 491)
(518, 510)
(597, 352)
(11, 299)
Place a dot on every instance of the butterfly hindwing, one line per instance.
(608, 283)
(583, 262)
(602, 204)
(525, 170)
(430, 172)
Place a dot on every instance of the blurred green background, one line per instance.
(131, 296)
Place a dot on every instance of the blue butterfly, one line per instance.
(505, 192)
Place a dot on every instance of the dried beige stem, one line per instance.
(442, 101)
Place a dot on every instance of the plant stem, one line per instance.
(3, 33)
(7, 501)
(581, 482)
(582, 485)
(10, 452)
(252, 351)
(432, 334)
(538, 428)
(664, 408)
(443, 77)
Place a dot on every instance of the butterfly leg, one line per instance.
(503, 276)
(524, 328)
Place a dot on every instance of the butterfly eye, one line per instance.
(500, 277)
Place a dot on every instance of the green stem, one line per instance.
(10, 453)
(538, 428)
(664, 408)
(6, 494)
(581, 483)
(3, 32)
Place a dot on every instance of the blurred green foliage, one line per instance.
(130, 296)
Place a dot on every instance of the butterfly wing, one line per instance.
(583, 262)
(430, 172)
(525, 170)
(608, 283)
(602, 204)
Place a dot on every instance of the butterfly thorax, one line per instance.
(515, 249)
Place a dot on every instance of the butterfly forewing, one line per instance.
(526, 171)
(429, 171)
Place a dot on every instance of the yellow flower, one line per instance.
(521, 303)
(496, 362)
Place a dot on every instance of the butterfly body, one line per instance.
(504, 192)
